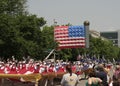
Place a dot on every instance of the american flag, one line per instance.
(69, 36)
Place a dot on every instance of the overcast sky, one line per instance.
(103, 15)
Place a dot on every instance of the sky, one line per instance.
(103, 15)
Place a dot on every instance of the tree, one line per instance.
(20, 34)
(103, 48)
(13, 7)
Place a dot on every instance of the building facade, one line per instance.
(96, 34)
(114, 36)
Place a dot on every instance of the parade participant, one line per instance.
(60, 71)
(22, 69)
(78, 71)
(37, 68)
(91, 65)
(2, 67)
(85, 69)
(116, 76)
(29, 68)
(19, 66)
(93, 80)
(107, 70)
(7, 68)
(69, 79)
(51, 68)
(13, 69)
(101, 73)
(43, 68)
(78, 68)
(74, 68)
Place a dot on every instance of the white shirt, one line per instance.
(68, 80)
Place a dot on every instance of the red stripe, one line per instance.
(69, 38)
(71, 42)
(71, 47)
(59, 27)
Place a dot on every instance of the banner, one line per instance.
(25, 78)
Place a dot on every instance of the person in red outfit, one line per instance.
(13, 69)
(2, 68)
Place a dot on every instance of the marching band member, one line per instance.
(37, 68)
(7, 68)
(2, 67)
(23, 68)
(13, 69)
(29, 68)
(51, 68)
(43, 68)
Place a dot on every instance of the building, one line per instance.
(96, 34)
(114, 36)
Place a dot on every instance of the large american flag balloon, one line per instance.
(70, 36)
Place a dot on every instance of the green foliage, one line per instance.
(48, 37)
(20, 34)
(103, 48)
(13, 7)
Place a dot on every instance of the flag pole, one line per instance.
(55, 23)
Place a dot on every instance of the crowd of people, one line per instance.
(100, 75)
(103, 74)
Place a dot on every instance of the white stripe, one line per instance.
(61, 32)
(71, 41)
(59, 28)
(65, 45)
(59, 35)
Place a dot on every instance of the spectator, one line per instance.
(93, 80)
(70, 78)
(116, 76)
(101, 73)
